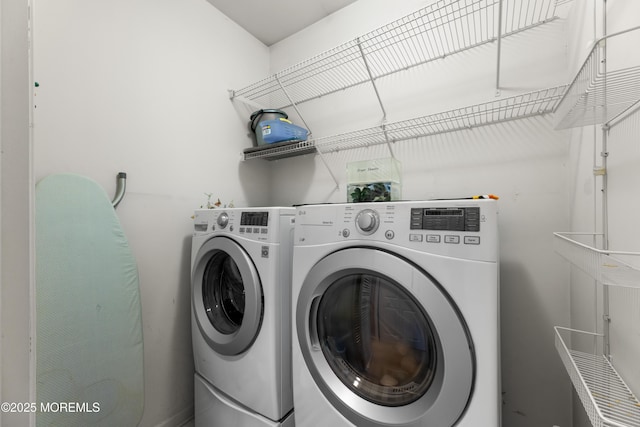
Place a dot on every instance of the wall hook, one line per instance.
(121, 186)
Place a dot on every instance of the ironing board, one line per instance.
(89, 350)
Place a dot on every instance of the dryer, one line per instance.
(396, 314)
(240, 311)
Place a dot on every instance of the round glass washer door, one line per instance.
(226, 296)
(383, 341)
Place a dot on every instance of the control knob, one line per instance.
(367, 221)
(223, 220)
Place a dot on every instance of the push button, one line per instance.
(452, 239)
(389, 234)
(471, 240)
(415, 237)
(433, 238)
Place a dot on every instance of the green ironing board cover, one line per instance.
(89, 331)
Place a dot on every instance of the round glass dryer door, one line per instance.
(383, 341)
(227, 296)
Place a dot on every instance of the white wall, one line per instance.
(524, 162)
(141, 87)
(16, 196)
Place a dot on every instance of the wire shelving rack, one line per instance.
(599, 93)
(605, 396)
(516, 107)
(441, 29)
(605, 266)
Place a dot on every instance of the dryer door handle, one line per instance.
(313, 324)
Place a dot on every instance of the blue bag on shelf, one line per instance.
(279, 130)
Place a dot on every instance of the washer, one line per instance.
(396, 314)
(241, 318)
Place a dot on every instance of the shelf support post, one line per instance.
(499, 40)
(605, 190)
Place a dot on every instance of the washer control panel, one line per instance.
(254, 223)
(258, 219)
(260, 224)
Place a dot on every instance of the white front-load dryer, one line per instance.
(241, 318)
(396, 314)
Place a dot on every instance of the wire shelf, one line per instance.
(603, 266)
(517, 107)
(606, 398)
(598, 94)
(280, 150)
(443, 28)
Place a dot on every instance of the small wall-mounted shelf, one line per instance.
(599, 93)
(606, 398)
(602, 265)
(517, 107)
(280, 150)
(441, 29)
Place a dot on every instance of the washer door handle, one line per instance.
(313, 324)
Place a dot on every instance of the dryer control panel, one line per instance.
(457, 228)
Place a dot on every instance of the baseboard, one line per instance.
(179, 419)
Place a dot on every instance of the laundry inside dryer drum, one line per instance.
(377, 340)
(223, 293)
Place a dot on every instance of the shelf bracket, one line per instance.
(245, 101)
(293, 104)
(623, 115)
(388, 142)
(326, 165)
(372, 80)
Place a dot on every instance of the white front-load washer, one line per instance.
(241, 316)
(396, 314)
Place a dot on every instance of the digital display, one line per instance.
(446, 219)
(260, 219)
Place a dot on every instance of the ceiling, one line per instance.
(273, 20)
